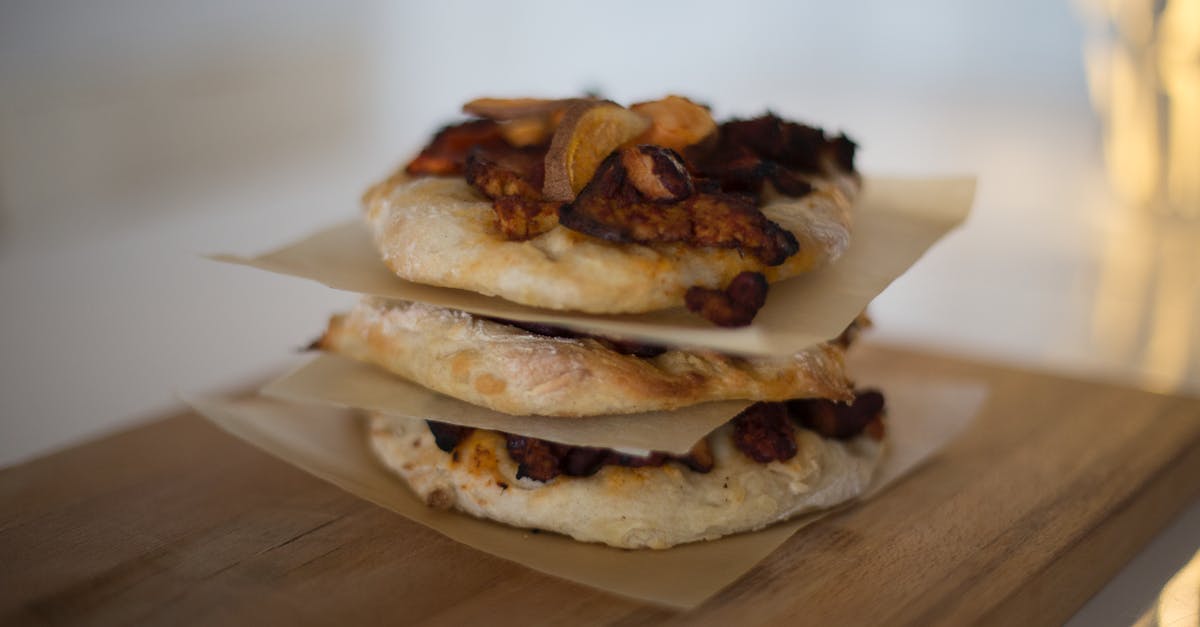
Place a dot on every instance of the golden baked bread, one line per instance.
(629, 507)
(514, 371)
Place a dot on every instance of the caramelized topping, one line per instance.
(447, 436)
(447, 152)
(542, 461)
(657, 173)
(521, 219)
(512, 179)
(589, 131)
(765, 433)
(499, 172)
(735, 306)
(612, 208)
(768, 148)
(530, 155)
(838, 420)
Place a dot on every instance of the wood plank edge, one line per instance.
(1055, 594)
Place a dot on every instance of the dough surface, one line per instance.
(649, 507)
(511, 370)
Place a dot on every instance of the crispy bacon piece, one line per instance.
(843, 149)
(583, 461)
(536, 459)
(512, 178)
(841, 421)
(542, 461)
(446, 153)
(735, 306)
(611, 207)
(771, 138)
(768, 148)
(765, 433)
(447, 436)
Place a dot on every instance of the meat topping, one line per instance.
(512, 178)
(542, 461)
(657, 173)
(613, 208)
(446, 153)
(734, 306)
(448, 436)
(751, 152)
(841, 421)
(765, 433)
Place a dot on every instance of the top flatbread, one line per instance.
(440, 231)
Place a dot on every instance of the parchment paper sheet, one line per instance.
(896, 221)
(342, 382)
(331, 444)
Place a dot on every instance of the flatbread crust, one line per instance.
(649, 507)
(511, 370)
(440, 231)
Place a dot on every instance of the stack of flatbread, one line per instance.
(588, 206)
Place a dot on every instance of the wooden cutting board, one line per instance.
(1018, 522)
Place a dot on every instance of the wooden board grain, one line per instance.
(1018, 522)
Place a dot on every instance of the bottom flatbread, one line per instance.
(646, 507)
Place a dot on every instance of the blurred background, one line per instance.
(136, 135)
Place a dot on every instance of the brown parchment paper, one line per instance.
(895, 222)
(342, 382)
(331, 444)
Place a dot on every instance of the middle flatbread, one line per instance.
(515, 371)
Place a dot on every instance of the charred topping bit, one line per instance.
(735, 306)
(843, 149)
(536, 459)
(447, 152)
(788, 182)
(624, 347)
(658, 173)
(768, 148)
(611, 207)
(765, 433)
(583, 461)
(542, 461)
(448, 436)
(840, 421)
